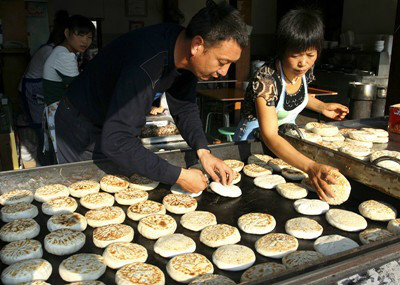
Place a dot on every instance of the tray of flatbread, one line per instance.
(226, 210)
(160, 130)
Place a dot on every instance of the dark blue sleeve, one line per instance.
(181, 98)
(131, 101)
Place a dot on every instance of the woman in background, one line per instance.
(61, 68)
(277, 93)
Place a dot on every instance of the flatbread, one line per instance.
(256, 223)
(311, 206)
(17, 211)
(142, 183)
(97, 200)
(311, 137)
(103, 236)
(394, 226)
(332, 145)
(61, 205)
(146, 208)
(346, 220)
(332, 244)
(21, 250)
(186, 267)
(362, 136)
(292, 173)
(198, 220)
(119, 254)
(212, 279)
(38, 282)
(19, 229)
(301, 258)
(131, 196)
(377, 132)
(355, 150)
(173, 245)
(374, 234)
(82, 267)
(179, 203)
(105, 216)
(336, 138)
(278, 164)
(139, 273)
(258, 158)
(303, 228)
(257, 169)
(341, 189)
(236, 165)
(291, 191)
(324, 129)
(87, 283)
(74, 221)
(114, 183)
(276, 245)
(233, 257)
(268, 181)
(345, 132)
(349, 141)
(64, 241)
(16, 196)
(386, 163)
(381, 140)
(236, 177)
(26, 271)
(156, 226)
(84, 187)
(46, 193)
(377, 211)
(232, 191)
(306, 182)
(177, 189)
(262, 270)
(220, 234)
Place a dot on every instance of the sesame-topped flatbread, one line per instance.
(212, 279)
(60, 205)
(74, 221)
(198, 220)
(146, 208)
(220, 234)
(139, 273)
(21, 250)
(82, 266)
(46, 193)
(155, 226)
(300, 258)
(26, 271)
(374, 234)
(259, 158)
(64, 241)
(131, 196)
(261, 270)
(142, 183)
(355, 150)
(179, 203)
(233, 257)
(352, 142)
(103, 236)
(114, 183)
(105, 216)
(346, 220)
(19, 229)
(97, 200)
(257, 169)
(256, 223)
(292, 173)
(345, 132)
(292, 191)
(276, 245)
(324, 129)
(335, 138)
(236, 165)
(16, 196)
(377, 132)
(278, 164)
(84, 187)
(362, 136)
(394, 226)
(341, 189)
(303, 228)
(17, 211)
(377, 211)
(186, 267)
(386, 163)
(173, 245)
(119, 254)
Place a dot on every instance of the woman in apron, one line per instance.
(277, 93)
(61, 68)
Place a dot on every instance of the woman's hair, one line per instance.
(216, 23)
(298, 31)
(57, 33)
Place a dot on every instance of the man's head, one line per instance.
(217, 34)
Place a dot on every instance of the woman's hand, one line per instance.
(156, 110)
(320, 179)
(335, 111)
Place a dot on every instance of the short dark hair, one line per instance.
(216, 23)
(298, 31)
(80, 25)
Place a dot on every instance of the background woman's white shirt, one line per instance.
(63, 61)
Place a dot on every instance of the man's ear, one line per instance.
(197, 46)
(66, 33)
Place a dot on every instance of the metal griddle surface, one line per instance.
(227, 210)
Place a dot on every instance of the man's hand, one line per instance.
(192, 180)
(335, 111)
(211, 165)
(156, 110)
(320, 178)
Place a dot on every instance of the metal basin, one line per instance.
(362, 91)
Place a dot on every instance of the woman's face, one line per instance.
(298, 63)
(78, 42)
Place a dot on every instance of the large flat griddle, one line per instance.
(227, 210)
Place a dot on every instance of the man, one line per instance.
(105, 107)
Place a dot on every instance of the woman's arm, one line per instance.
(333, 111)
(318, 173)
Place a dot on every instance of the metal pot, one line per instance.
(362, 91)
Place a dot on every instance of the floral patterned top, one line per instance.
(267, 83)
